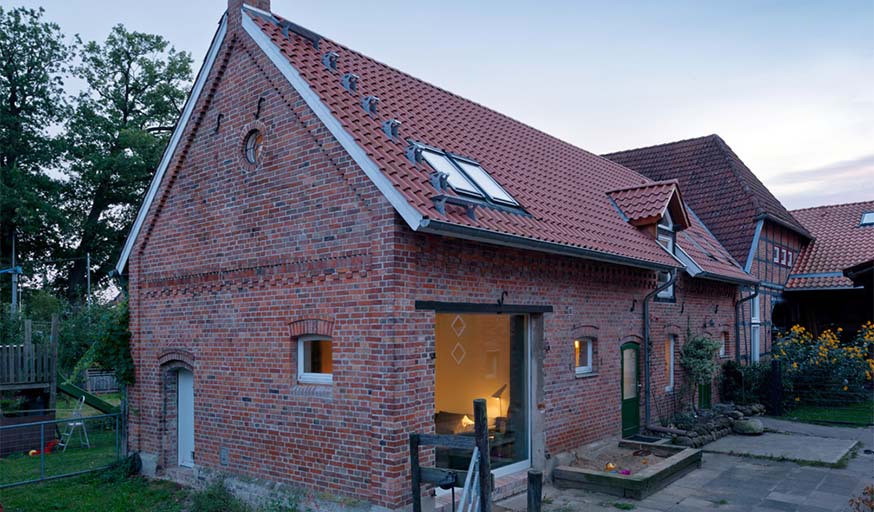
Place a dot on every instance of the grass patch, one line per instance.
(619, 505)
(22, 467)
(861, 414)
(88, 493)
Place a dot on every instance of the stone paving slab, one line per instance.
(822, 450)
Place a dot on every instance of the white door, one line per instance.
(185, 417)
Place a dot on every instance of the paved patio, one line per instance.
(732, 483)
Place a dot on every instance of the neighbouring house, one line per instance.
(742, 214)
(831, 285)
(334, 254)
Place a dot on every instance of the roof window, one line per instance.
(867, 219)
(468, 177)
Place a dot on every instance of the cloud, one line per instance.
(844, 181)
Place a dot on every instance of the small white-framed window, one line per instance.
(783, 258)
(315, 360)
(755, 329)
(724, 344)
(667, 293)
(584, 349)
(776, 255)
(670, 343)
(790, 255)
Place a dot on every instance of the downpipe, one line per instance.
(646, 331)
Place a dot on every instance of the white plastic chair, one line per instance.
(75, 423)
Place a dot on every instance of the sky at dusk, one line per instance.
(789, 85)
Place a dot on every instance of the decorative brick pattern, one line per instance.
(311, 326)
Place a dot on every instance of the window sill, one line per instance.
(312, 391)
(585, 375)
(315, 379)
(669, 389)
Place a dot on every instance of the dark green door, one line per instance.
(630, 394)
(704, 391)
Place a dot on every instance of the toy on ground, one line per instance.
(47, 449)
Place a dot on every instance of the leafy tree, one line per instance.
(136, 88)
(33, 60)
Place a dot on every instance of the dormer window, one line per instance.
(667, 239)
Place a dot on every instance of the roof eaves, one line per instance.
(493, 237)
(788, 225)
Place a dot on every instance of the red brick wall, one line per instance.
(587, 297)
(231, 257)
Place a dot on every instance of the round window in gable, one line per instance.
(252, 148)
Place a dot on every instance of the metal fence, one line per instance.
(45, 450)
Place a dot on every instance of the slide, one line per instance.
(92, 400)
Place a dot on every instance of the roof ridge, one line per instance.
(663, 144)
(651, 183)
(731, 159)
(836, 205)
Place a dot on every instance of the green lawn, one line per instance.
(89, 494)
(22, 467)
(857, 414)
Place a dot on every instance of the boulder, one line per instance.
(748, 427)
(735, 415)
(683, 441)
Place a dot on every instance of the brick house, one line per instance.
(742, 214)
(832, 283)
(334, 254)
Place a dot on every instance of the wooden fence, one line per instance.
(25, 364)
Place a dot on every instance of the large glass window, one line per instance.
(315, 360)
(482, 356)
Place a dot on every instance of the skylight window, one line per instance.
(486, 182)
(468, 177)
(457, 179)
(867, 219)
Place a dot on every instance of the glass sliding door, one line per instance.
(483, 356)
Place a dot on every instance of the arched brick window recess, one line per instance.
(585, 331)
(673, 329)
(171, 362)
(310, 326)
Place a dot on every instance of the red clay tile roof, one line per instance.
(562, 188)
(706, 251)
(645, 204)
(716, 184)
(840, 242)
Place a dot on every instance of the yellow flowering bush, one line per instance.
(824, 369)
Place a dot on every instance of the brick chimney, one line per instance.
(234, 7)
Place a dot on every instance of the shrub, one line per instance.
(216, 498)
(697, 358)
(744, 384)
(825, 369)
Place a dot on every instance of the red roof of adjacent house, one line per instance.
(723, 191)
(562, 188)
(645, 204)
(840, 242)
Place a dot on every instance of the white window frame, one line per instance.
(589, 348)
(672, 340)
(789, 259)
(755, 329)
(307, 377)
(776, 254)
(867, 219)
(665, 238)
(722, 344)
(783, 258)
